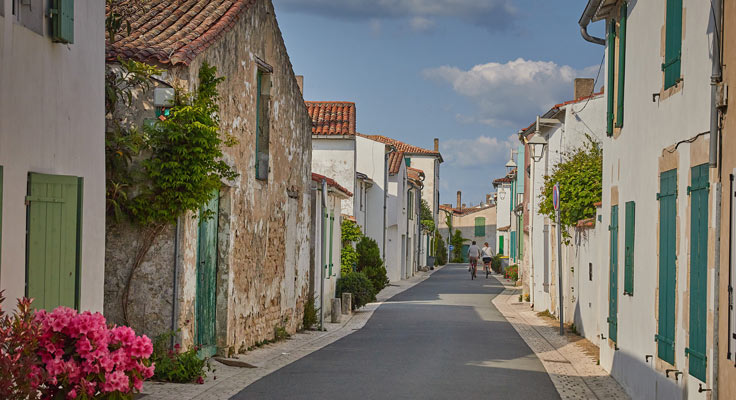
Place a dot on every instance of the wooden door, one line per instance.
(206, 278)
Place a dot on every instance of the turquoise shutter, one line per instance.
(332, 223)
(513, 245)
(621, 65)
(611, 75)
(500, 245)
(259, 80)
(613, 277)
(629, 248)
(698, 270)
(53, 240)
(480, 226)
(673, 43)
(667, 257)
(62, 21)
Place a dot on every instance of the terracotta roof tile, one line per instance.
(330, 182)
(175, 31)
(394, 162)
(401, 146)
(415, 173)
(332, 117)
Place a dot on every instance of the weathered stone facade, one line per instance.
(263, 226)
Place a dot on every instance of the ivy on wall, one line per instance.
(580, 176)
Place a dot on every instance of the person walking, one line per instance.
(487, 256)
(474, 254)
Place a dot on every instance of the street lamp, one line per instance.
(537, 144)
(510, 165)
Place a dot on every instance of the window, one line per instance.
(698, 191)
(667, 257)
(590, 271)
(629, 248)
(53, 229)
(332, 224)
(673, 43)
(407, 160)
(480, 226)
(62, 20)
(263, 122)
(613, 277)
(500, 245)
(616, 71)
(361, 194)
(30, 14)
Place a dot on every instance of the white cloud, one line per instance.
(421, 24)
(480, 152)
(493, 15)
(511, 94)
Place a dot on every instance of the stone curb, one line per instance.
(226, 381)
(574, 373)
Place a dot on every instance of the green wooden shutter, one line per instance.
(62, 21)
(513, 245)
(621, 65)
(52, 240)
(629, 248)
(673, 43)
(259, 80)
(500, 245)
(667, 258)
(611, 75)
(206, 285)
(613, 277)
(332, 224)
(698, 271)
(480, 226)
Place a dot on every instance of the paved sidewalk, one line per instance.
(226, 381)
(574, 373)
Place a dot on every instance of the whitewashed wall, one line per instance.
(52, 122)
(369, 158)
(335, 157)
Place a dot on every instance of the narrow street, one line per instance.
(441, 339)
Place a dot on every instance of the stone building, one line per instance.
(52, 158)
(230, 282)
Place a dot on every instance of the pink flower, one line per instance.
(72, 394)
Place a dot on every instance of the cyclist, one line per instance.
(474, 254)
(487, 256)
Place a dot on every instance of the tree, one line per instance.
(457, 242)
(371, 264)
(350, 233)
(425, 216)
(440, 249)
(579, 175)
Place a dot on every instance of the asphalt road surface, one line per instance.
(441, 339)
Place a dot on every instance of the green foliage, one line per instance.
(580, 178)
(425, 216)
(350, 233)
(310, 314)
(176, 366)
(186, 166)
(440, 249)
(371, 264)
(359, 285)
(457, 241)
(496, 263)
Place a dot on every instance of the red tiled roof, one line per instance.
(401, 146)
(505, 179)
(586, 223)
(175, 31)
(330, 182)
(414, 173)
(394, 162)
(332, 117)
(556, 107)
(597, 204)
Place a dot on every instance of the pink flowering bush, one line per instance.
(78, 357)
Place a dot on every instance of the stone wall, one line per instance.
(264, 226)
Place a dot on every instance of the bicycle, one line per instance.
(473, 269)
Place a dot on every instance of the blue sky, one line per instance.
(469, 72)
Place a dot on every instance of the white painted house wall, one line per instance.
(397, 244)
(369, 158)
(334, 156)
(631, 168)
(52, 122)
(334, 206)
(503, 217)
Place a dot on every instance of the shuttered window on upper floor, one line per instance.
(616, 70)
(673, 43)
(480, 226)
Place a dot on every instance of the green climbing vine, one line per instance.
(579, 175)
(350, 233)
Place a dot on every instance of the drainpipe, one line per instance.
(385, 197)
(715, 136)
(323, 257)
(175, 301)
(590, 10)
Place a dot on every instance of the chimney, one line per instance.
(488, 199)
(584, 87)
(436, 145)
(300, 83)
(459, 197)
